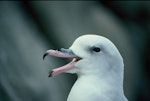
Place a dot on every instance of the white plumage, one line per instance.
(99, 67)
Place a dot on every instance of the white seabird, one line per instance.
(99, 67)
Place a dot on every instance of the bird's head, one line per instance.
(91, 54)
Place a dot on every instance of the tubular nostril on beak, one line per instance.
(64, 50)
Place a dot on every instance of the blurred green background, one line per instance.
(28, 29)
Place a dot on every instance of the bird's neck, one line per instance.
(93, 88)
(105, 86)
(108, 80)
(112, 78)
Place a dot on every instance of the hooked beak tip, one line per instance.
(50, 74)
(45, 54)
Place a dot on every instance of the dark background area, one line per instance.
(28, 29)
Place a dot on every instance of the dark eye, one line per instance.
(96, 49)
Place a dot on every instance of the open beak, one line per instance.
(63, 53)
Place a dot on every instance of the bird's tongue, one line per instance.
(63, 54)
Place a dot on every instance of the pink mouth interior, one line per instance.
(66, 67)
